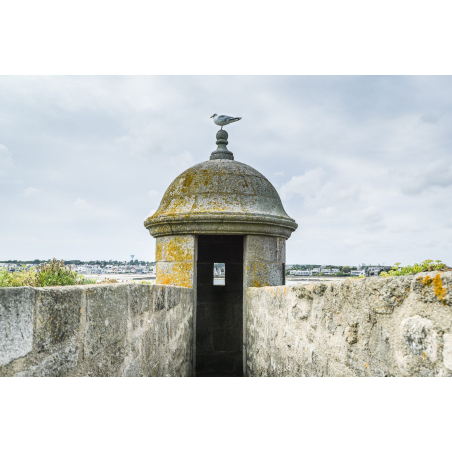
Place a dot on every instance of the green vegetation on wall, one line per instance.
(425, 266)
(53, 273)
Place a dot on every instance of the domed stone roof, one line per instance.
(221, 196)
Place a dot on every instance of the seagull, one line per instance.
(223, 120)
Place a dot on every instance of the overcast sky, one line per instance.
(363, 164)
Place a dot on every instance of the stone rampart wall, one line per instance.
(103, 330)
(399, 326)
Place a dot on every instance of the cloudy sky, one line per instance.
(363, 164)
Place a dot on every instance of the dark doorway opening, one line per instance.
(219, 313)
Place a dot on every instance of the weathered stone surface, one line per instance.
(57, 364)
(99, 331)
(175, 256)
(447, 351)
(134, 368)
(265, 249)
(371, 327)
(58, 316)
(173, 297)
(158, 297)
(140, 298)
(175, 273)
(221, 196)
(16, 323)
(264, 259)
(178, 248)
(420, 336)
(106, 316)
(261, 274)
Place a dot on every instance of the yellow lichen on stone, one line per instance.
(158, 251)
(179, 274)
(258, 274)
(175, 260)
(438, 288)
(174, 249)
(427, 281)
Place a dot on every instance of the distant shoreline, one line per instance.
(316, 278)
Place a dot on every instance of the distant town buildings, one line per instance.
(87, 269)
(324, 270)
(218, 271)
(361, 272)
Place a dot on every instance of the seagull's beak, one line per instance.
(212, 116)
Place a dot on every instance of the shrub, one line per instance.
(53, 273)
(425, 266)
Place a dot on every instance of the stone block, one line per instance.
(281, 256)
(261, 248)
(140, 298)
(173, 296)
(261, 274)
(159, 297)
(57, 364)
(107, 363)
(175, 273)
(106, 316)
(58, 316)
(16, 323)
(175, 248)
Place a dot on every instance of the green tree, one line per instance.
(345, 269)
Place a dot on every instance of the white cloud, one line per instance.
(82, 204)
(429, 119)
(371, 215)
(327, 211)
(153, 193)
(279, 173)
(6, 158)
(306, 185)
(435, 174)
(30, 191)
(182, 160)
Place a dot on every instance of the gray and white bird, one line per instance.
(223, 120)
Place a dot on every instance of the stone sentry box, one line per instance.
(225, 211)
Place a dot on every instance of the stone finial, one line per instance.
(222, 151)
